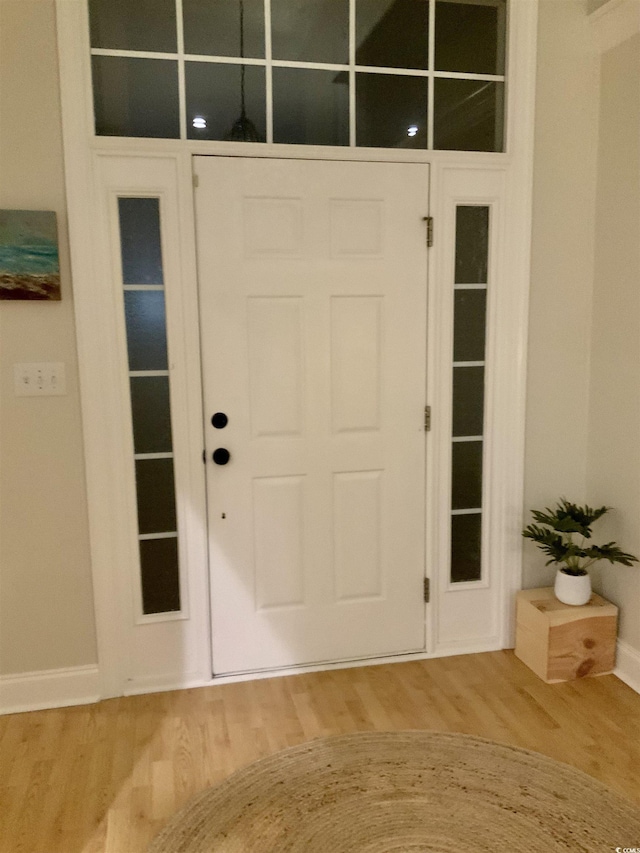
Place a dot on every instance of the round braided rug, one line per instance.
(404, 792)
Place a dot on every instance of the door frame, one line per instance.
(88, 158)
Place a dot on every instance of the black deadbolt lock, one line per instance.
(219, 420)
(221, 456)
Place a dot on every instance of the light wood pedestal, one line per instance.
(560, 642)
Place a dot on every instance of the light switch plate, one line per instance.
(40, 379)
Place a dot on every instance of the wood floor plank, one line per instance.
(105, 778)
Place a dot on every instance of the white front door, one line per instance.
(313, 294)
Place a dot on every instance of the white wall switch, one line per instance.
(40, 379)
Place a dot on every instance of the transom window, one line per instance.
(374, 73)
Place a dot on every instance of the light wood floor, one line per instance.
(106, 777)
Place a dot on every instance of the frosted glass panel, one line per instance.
(214, 94)
(466, 543)
(466, 475)
(135, 97)
(140, 240)
(470, 36)
(468, 115)
(160, 577)
(212, 27)
(310, 30)
(392, 34)
(156, 495)
(133, 24)
(310, 107)
(469, 325)
(472, 244)
(391, 111)
(146, 329)
(468, 400)
(151, 414)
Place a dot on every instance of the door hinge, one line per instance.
(429, 221)
(427, 418)
(427, 590)
(196, 181)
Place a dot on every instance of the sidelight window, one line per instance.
(145, 325)
(469, 333)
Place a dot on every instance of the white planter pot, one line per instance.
(572, 589)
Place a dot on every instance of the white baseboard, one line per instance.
(628, 665)
(165, 683)
(51, 688)
(80, 685)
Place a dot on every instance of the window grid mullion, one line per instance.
(268, 57)
(182, 93)
(170, 534)
(352, 74)
(431, 64)
(295, 63)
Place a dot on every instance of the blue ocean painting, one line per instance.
(29, 263)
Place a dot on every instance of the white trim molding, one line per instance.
(50, 688)
(96, 168)
(615, 22)
(628, 665)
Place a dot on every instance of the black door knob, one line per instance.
(221, 456)
(219, 420)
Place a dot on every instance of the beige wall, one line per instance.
(46, 611)
(562, 265)
(614, 435)
(46, 607)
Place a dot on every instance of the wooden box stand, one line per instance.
(560, 642)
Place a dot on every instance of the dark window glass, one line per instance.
(146, 329)
(470, 37)
(472, 244)
(135, 97)
(145, 324)
(213, 27)
(468, 115)
(391, 112)
(133, 24)
(160, 576)
(469, 325)
(140, 240)
(468, 400)
(310, 30)
(466, 541)
(466, 475)
(310, 107)
(151, 414)
(156, 495)
(392, 34)
(215, 94)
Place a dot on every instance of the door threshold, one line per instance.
(163, 685)
(407, 657)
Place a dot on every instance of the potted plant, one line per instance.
(554, 534)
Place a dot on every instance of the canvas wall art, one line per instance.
(29, 263)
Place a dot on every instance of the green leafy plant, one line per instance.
(554, 534)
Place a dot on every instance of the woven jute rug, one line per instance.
(404, 792)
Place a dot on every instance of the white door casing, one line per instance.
(106, 445)
(313, 295)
